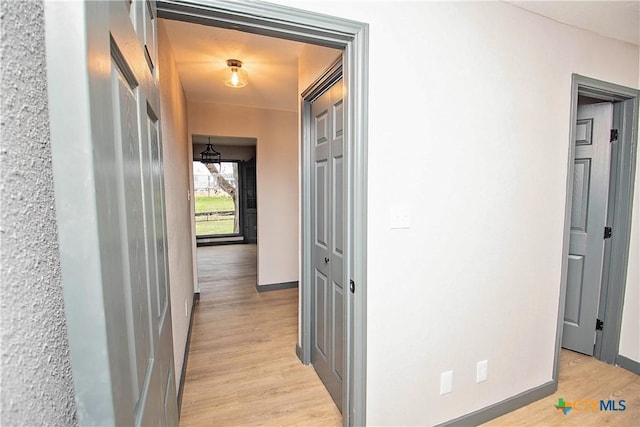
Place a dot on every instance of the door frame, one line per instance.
(619, 215)
(352, 38)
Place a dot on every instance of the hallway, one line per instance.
(242, 367)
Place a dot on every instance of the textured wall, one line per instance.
(178, 207)
(37, 387)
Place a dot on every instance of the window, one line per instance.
(216, 199)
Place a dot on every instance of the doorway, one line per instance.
(597, 218)
(351, 37)
(224, 191)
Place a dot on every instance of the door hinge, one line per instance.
(613, 136)
(608, 232)
(352, 286)
(599, 325)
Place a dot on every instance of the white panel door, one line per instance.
(327, 219)
(588, 216)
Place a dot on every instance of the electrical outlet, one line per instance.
(446, 382)
(400, 217)
(482, 371)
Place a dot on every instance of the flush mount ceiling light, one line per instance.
(238, 77)
(209, 155)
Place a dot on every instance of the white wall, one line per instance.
(482, 102)
(177, 181)
(630, 333)
(313, 60)
(277, 178)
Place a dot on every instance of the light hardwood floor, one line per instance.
(242, 368)
(582, 377)
(243, 371)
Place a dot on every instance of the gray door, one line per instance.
(327, 219)
(130, 294)
(588, 216)
(142, 224)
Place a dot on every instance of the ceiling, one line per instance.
(615, 19)
(201, 54)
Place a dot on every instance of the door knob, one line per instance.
(326, 260)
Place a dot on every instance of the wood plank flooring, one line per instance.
(242, 368)
(243, 371)
(582, 377)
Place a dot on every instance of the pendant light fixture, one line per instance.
(209, 155)
(238, 77)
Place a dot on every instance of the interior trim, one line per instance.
(276, 286)
(496, 410)
(628, 364)
(299, 352)
(619, 216)
(353, 38)
(183, 374)
(209, 241)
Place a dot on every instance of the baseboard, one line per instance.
(628, 364)
(276, 286)
(299, 353)
(220, 241)
(183, 374)
(508, 405)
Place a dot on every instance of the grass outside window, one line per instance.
(214, 224)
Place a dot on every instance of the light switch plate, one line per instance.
(400, 217)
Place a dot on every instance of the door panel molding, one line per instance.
(622, 173)
(108, 178)
(85, 303)
(588, 220)
(327, 190)
(353, 38)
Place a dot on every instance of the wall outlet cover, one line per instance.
(482, 371)
(400, 216)
(446, 382)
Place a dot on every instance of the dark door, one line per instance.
(249, 202)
